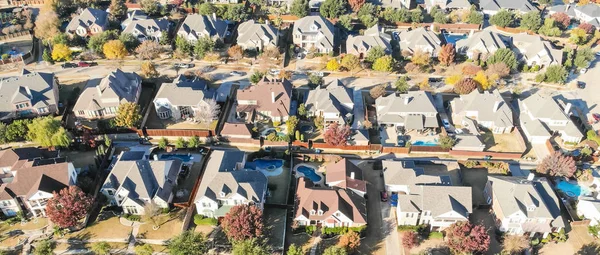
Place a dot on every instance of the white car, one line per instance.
(583, 70)
(274, 71)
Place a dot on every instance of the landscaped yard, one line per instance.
(109, 228)
(170, 226)
(30, 225)
(10, 241)
(502, 142)
(204, 229)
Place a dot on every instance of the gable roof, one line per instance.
(87, 17)
(531, 46)
(372, 37)
(406, 173)
(115, 89)
(399, 108)
(235, 129)
(203, 25)
(543, 107)
(28, 180)
(411, 40)
(142, 26)
(347, 173)
(485, 41)
(335, 97)
(270, 95)
(489, 106)
(17, 158)
(36, 88)
(314, 25)
(496, 5)
(185, 92)
(133, 15)
(252, 31)
(437, 199)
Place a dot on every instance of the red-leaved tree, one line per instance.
(410, 239)
(562, 18)
(464, 237)
(447, 54)
(336, 135)
(243, 222)
(465, 86)
(557, 164)
(67, 207)
(356, 4)
(587, 27)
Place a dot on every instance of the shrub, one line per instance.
(133, 217)
(471, 163)
(201, 220)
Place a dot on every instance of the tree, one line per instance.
(515, 244)
(151, 7)
(164, 38)
(46, 56)
(587, 27)
(152, 210)
(475, 17)
(453, 79)
(464, 237)
(410, 239)
(336, 135)
(144, 249)
(101, 248)
(589, 249)
(235, 52)
(420, 58)
(67, 207)
(183, 45)
(578, 36)
(402, 85)
(256, 77)
(118, 8)
(47, 132)
(531, 21)
(465, 86)
(45, 247)
(17, 130)
(149, 49)
(556, 74)
(313, 79)
(97, 41)
(188, 243)
(61, 38)
(46, 25)
(503, 18)
(350, 241)
(206, 8)
(375, 53)
(335, 250)
(128, 115)
(446, 142)
(295, 250)
(583, 57)
(302, 110)
(332, 8)
(236, 12)
(251, 246)
(114, 49)
(194, 142)
(378, 91)
(243, 222)
(499, 69)
(549, 28)
(203, 45)
(299, 8)
(505, 56)
(356, 4)
(483, 80)
(61, 52)
(345, 22)
(368, 9)
(284, 74)
(557, 164)
(416, 15)
(148, 70)
(447, 54)
(562, 19)
(384, 64)
(350, 62)
(129, 41)
(333, 65)
(163, 143)
(291, 124)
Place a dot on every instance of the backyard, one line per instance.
(80, 159)
(502, 142)
(476, 178)
(275, 217)
(278, 187)
(154, 122)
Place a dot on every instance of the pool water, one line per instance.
(452, 38)
(309, 173)
(306, 129)
(266, 164)
(572, 189)
(425, 143)
(184, 158)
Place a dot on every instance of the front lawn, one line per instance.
(170, 226)
(109, 228)
(30, 225)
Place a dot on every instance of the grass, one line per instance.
(501, 142)
(67, 246)
(109, 228)
(170, 226)
(30, 225)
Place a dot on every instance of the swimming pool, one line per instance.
(309, 173)
(572, 189)
(182, 157)
(267, 164)
(306, 129)
(452, 38)
(425, 143)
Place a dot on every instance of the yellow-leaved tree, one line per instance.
(483, 80)
(114, 49)
(128, 115)
(61, 52)
(333, 65)
(451, 80)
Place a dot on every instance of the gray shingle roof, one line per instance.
(334, 98)
(531, 46)
(185, 92)
(486, 41)
(313, 25)
(543, 107)
(113, 90)
(437, 199)
(372, 37)
(38, 88)
(568, 9)
(133, 15)
(489, 106)
(406, 173)
(147, 27)
(496, 5)
(88, 17)
(199, 26)
(252, 33)
(398, 108)
(419, 38)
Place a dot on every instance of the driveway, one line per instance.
(541, 151)
(372, 244)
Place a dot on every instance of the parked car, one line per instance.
(583, 70)
(581, 84)
(446, 123)
(236, 73)
(596, 117)
(384, 196)
(274, 72)
(184, 65)
(68, 65)
(86, 64)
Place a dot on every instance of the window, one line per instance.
(312, 212)
(43, 110)
(222, 194)
(338, 214)
(6, 203)
(205, 204)
(22, 105)
(320, 212)
(110, 192)
(131, 209)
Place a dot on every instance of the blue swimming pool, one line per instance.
(572, 189)
(182, 157)
(309, 173)
(425, 143)
(306, 129)
(452, 38)
(269, 164)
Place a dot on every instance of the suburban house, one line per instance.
(419, 39)
(373, 37)
(314, 32)
(589, 13)
(196, 26)
(541, 117)
(346, 175)
(89, 22)
(269, 99)
(329, 207)
(236, 130)
(133, 15)
(524, 205)
(413, 111)
(183, 98)
(589, 208)
(102, 99)
(31, 94)
(482, 44)
(448, 4)
(489, 110)
(148, 29)
(333, 102)
(533, 50)
(403, 176)
(436, 206)
(360, 137)
(491, 7)
(226, 183)
(255, 36)
(29, 178)
(136, 181)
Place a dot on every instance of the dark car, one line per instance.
(68, 65)
(581, 85)
(384, 196)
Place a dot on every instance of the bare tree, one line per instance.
(151, 213)
(207, 112)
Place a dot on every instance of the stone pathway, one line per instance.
(315, 245)
(132, 238)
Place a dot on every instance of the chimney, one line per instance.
(530, 177)
(407, 100)
(567, 108)
(352, 175)
(497, 105)
(272, 97)
(214, 16)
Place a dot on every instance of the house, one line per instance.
(360, 137)
(533, 50)
(346, 175)
(403, 176)
(133, 15)
(31, 94)
(183, 98)
(589, 208)
(136, 181)
(542, 116)
(314, 32)
(329, 207)
(468, 142)
(413, 111)
(419, 39)
(524, 205)
(196, 26)
(589, 13)
(255, 36)
(29, 178)
(236, 130)
(148, 29)
(448, 4)
(491, 7)
(226, 183)
(333, 102)
(373, 37)
(269, 99)
(489, 110)
(436, 206)
(100, 100)
(90, 22)
(482, 44)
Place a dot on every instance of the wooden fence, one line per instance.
(176, 132)
(402, 150)
(428, 149)
(481, 154)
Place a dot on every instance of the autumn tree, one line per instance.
(243, 222)
(578, 36)
(148, 70)
(114, 49)
(515, 244)
(464, 237)
(61, 52)
(118, 9)
(285, 74)
(47, 132)
(410, 239)
(128, 115)
(67, 207)
(149, 49)
(499, 69)
(350, 62)
(384, 64)
(188, 243)
(447, 54)
(470, 69)
(562, 19)
(46, 25)
(483, 80)
(420, 58)
(235, 52)
(336, 135)
(557, 164)
(453, 79)
(465, 86)
(587, 27)
(378, 91)
(350, 241)
(333, 65)
(356, 4)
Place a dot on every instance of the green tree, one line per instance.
(550, 28)
(332, 8)
(3, 139)
(188, 243)
(345, 23)
(17, 130)
(369, 20)
(45, 247)
(251, 246)
(350, 62)
(475, 17)
(163, 143)
(335, 250)
(256, 77)
(384, 64)
(47, 131)
(101, 248)
(46, 56)
(291, 124)
(416, 15)
(183, 45)
(402, 84)
(236, 12)
(375, 53)
(206, 8)
(128, 115)
(180, 143)
(295, 250)
(151, 7)
(164, 38)
(299, 8)
(194, 142)
(583, 57)
(118, 8)
(447, 142)
(503, 18)
(97, 41)
(368, 9)
(556, 74)
(578, 36)
(203, 45)
(61, 38)
(302, 110)
(144, 249)
(505, 56)
(314, 80)
(531, 21)
(129, 41)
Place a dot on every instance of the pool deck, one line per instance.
(298, 174)
(197, 157)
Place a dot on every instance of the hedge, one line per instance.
(342, 230)
(132, 217)
(201, 220)
(436, 235)
(417, 228)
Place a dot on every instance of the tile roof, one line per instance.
(347, 174)
(270, 96)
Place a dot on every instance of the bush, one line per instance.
(310, 229)
(436, 235)
(471, 163)
(417, 228)
(132, 217)
(201, 220)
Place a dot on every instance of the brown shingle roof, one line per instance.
(263, 93)
(27, 181)
(235, 129)
(17, 158)
(342, 172)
